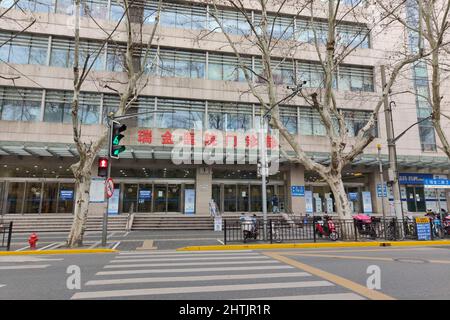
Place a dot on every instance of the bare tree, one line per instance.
(135, 58)
(429, 21)
(331, 52)
(435, 24)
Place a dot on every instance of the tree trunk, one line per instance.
(340, 197)
(82, 186)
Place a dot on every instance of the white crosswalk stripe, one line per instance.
(206, 275)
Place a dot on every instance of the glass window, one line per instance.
(290, 123)
(15, 197)
(117, 11)
(215, 120)
(65, 203)
(49, 198)
(215, 71)
(33, 197)
(19, 53)
(89, 114)
(61, 57)
(306, 124)
(168, 17)
(64, 6)
(114, 60)
(38, 55)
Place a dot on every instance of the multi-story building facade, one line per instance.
(194, 84)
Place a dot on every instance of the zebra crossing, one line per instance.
(216, 275)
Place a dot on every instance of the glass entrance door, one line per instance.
(160, 198)
(49, 198)
(130, 198)
(16, 195)
(2, 195)
(256, 198)
(415, 199)
(173, 198)
(145, 198)
(230, 198)
(243, 197)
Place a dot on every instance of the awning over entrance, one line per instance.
(164, 153)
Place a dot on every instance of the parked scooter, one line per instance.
(446, 225)
(249, 229)
(365, 225)
(326, 228)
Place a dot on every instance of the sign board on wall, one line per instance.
(367, 202)
(437, 183)
(309, 201)
(413, 178)
(65, 195)
(97, 190)
(298, 191)
(189, 201)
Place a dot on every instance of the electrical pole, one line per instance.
(393, 170)
(382, 189)
(264, 171)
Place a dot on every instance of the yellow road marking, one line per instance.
(400, 249)
(343, 282)
(364, 257)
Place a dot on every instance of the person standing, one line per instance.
(212, 208)
(275, 208)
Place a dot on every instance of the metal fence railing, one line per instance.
(307, 229)
(5, 235)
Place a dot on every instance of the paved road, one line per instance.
(406, 273)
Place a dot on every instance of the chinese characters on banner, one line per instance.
(250, 141)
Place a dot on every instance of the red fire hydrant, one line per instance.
(32, 240)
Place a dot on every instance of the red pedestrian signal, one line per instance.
(102, 167)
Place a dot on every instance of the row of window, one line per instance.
(190, 16)
(35, 49)
(20, 104)
(420, 76)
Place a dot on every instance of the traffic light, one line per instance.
(102, 167)
(116, 136)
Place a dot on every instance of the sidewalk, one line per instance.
(337, 244)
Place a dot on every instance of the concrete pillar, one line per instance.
(296, 177)
(374, 180)
(203, 190)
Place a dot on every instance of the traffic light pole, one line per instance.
(111, 118)
(108, 175)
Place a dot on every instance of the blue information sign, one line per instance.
(298, 191)
(145, 194)
(423, 229)
(414, 178)
(437, 183)
(353, 196)
(66, 195)
(379, 191)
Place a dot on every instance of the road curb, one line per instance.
(61, 251)
(315, 245)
